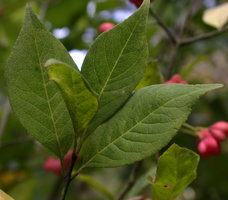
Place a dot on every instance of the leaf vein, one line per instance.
(129, 130)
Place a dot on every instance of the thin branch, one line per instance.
(202, 37)
(194, 7)
(189, 126)
(163, 26)
(189, 132)
(74, 175)
(188, 18)
(177, 46)
(68, 177)
(172, 61)
(131, 181)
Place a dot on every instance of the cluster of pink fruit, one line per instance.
(54, 165)
(209, 142)
(107, 25)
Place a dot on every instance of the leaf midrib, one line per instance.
(117, 61)
(46, 93)
(134, 127)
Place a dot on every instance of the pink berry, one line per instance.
(204, 133)
(183, 82)
(208, 146)
(52, 165)
(221, 125)
(105, 27)
(218, 135)
(176, 78)
(67, 159)
(202, 148)
(138, 2)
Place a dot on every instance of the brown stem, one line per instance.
(194, 5)
(189, 41)
(68, 178)
(177, 47)
(131, 181)
(163, 26)
(203, 37)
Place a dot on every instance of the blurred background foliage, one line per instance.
(75, 23)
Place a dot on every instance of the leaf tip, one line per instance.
(28, 10)
(145, 5)
(215, 86)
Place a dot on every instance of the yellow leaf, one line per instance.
(217, 16)
(4, 196)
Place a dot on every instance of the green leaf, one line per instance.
(37, 101)
(176, 170)
(146, 123)
(116, 63)
(81, 103)
(141, 183)
(152, 76)
(93, 183)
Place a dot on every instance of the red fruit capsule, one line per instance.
(204, 133)
(67, 159)
(208, 146)
(221, 126)
(176, 78)
(138, 2)
(218, 135)
(105, 27)
(52, 165)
